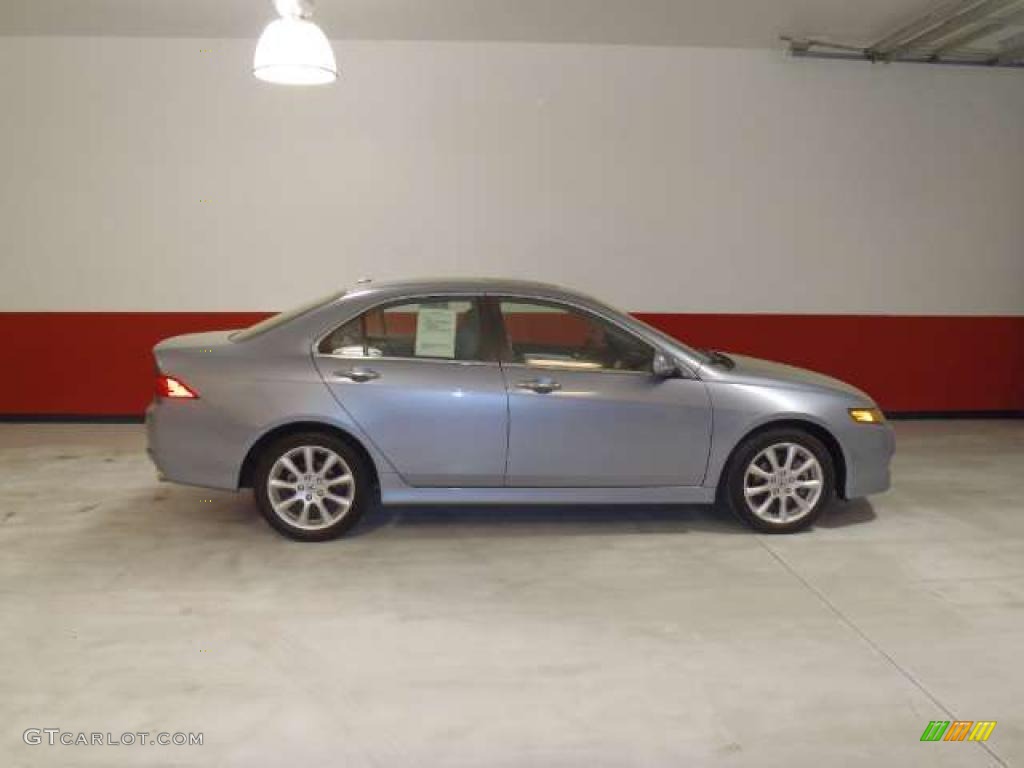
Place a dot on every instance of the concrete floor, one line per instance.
(496, 637)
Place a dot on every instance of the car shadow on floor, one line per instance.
(549, 519)
(209, 507)
(845, 513)
(582, 520)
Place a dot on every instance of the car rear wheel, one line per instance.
(311, 486)
(780, 481)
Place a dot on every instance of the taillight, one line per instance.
(168, 386)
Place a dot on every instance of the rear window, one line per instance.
(284, 317)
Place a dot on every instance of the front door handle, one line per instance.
(543, 385)
(358, 374)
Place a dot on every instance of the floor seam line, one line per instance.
(871, 643)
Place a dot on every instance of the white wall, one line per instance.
(687, 180)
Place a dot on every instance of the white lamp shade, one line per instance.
(294, 51)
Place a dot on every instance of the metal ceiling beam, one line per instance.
(940, 37)
(1011, 19)
(969, 15)
(1012, 50)
(929, 20)
(959, 41)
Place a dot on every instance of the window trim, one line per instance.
(488, 337)
(505, 346)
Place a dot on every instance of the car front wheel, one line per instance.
(311, 486)
(780, 481)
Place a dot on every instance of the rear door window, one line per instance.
(433, 329)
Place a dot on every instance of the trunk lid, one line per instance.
(192, 346)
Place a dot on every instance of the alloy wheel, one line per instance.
(783, 483)
(311, 487)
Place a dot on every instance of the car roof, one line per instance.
(462, 284)
(367, 293)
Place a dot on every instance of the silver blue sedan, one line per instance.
(504, 392)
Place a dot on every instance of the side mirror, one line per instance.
(664, 367)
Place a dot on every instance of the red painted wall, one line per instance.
(915, 363)
(91, 363)
(99, 363)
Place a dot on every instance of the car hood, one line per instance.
(752, 370)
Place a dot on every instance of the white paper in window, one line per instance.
(435, 332)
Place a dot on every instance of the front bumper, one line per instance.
(868, 449)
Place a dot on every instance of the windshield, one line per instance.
(280, 319)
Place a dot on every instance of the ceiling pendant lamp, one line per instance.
(293, 50)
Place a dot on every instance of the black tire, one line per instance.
(361, 494)
(732, 489)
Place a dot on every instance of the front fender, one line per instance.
(740, 409)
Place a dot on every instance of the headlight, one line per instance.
(867, 415)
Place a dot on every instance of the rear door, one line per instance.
(586, 409)
(421, 377)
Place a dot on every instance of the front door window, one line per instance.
(545, 335)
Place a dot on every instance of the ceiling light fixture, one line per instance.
(293, 50)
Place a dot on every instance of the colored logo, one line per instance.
(958, 730)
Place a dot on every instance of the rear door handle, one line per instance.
(543, 385)
(358, 374)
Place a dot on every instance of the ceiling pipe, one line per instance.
(863, 56)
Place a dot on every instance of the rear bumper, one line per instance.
(187, 445)
(869, 450)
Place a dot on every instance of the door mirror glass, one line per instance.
(664, 366)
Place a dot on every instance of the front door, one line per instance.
(586, 410)
(420, 380)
